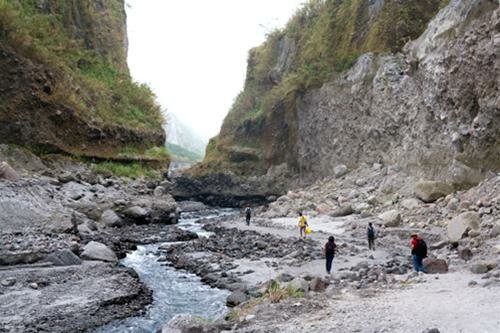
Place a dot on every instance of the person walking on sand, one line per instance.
(329, 250)
(418, 252)
(370, 233)
(302, 225)
(248, 214)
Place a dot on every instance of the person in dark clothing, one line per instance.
(330, 248)
(248, 214)
(418, 252)
(370, 233)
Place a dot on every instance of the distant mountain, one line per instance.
(183, 142)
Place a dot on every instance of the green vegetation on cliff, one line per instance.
(182, 154)
(324, 38)
(82, 44)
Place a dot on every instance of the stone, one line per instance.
(98, 251)
(342, 211)
(187, 323)
(459, 225)
(452, 204)
(340, 170)
(61, 224)
(435, 266)
(495, 231)
(110, 219)
(431, 330)
(479, 268)
(285, 277)
(438, 245)
(465, 254)
(136, 213)
(391, 218)
(411, 203)
(63, 258)
(318, 285)
(34, 285)
(299, 284)
(159, 191)
(7, 172)
(429, 191)
(236, 298)
(8, 282)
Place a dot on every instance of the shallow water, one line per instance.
(174, 292)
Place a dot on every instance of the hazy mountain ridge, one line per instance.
(182, 137)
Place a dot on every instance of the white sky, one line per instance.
(193, 53)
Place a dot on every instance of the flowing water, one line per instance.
(174, 292)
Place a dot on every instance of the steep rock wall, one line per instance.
(65, 85)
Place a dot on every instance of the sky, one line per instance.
(193, 53)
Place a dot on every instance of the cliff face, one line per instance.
(65, 84)
(430, 106)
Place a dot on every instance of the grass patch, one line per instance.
(124, 170)
(182, 154)
(276, 293)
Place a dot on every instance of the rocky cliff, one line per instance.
(65, 85)
(412, 83)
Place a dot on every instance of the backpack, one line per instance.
(248, 211)
(421, 249)
(330, 248)
(371, 232)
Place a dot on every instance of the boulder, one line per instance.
(411, 203)
(136, 213)
(236, 298)
(159, 191)
(7, 172)
(342, 211)
(495, 231)
(186, 323)
(8, 282)
(98, 251)
(61, 224)
(391, 218)
(63, 258)
(299, 284)
(285, 277)
(479, 268)
(340, 170)
(430, 191)
(435, 266)
(317, 284)
(110, 219)
(461, 224)
(465, 254)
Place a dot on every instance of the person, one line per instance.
(329, 250)
(302, 225)
(418, 252)
(370, 232)
(248, 214)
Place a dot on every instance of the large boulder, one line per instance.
(186, 323)
(430, 191)
(461, 224)
(136, 213)
(110, 219)
(318, 285)
(236, 298)
(299, 284)
(7, 172)
(342, 211)
(435, 266)
(391, 218)
(98, 251)
(63, 258)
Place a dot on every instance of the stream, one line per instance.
(174, 292)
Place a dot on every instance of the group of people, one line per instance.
(417, 244)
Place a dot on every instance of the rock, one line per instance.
(430, 191)
(110, 219)
(136, 213)
(67, 177)
(34, 285)
(438, 245)
(410, 203)
(391, 218)
(7, 172)
(299, 284)
(159, 191)
(63, 258)
(61, 224)
(452, 204)
(431, 330)
(435, 266)
(340, 170)
(462, 223)
(465, 254)
(479, 268)
(191, 206)
(317, 284)
(472, 283)
(271, 198)
(342, 211)
(236, 298)
(285, 277)
(495, 231)
(8, 282)
(98, 251)
(186, 323)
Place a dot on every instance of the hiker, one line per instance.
(418, 252)
(248, 214)
(370, 233)
(302, 225)
(329, 251)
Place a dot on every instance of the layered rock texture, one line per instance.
(65, 85)
(420, 91)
